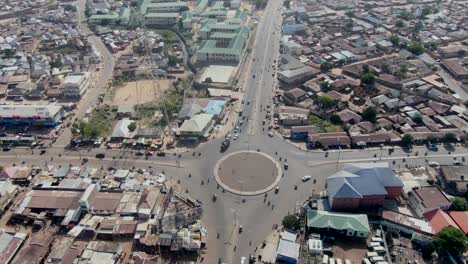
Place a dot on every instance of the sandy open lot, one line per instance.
(140, 92)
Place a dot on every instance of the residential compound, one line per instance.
(89, 215)
(415, 56)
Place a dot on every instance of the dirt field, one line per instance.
(129, 94)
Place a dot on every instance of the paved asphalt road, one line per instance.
(229, 211)
(103, 76)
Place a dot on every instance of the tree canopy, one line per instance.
(291, 222)
(326, 66)
(450, 137)
(394, 39)
(416, 48)
(132, 126)
(325, 101)
(407, 140)
(399, 23)
(325, 85)
(459, 204)
(370, 114)
(451, 239)
(368, 78)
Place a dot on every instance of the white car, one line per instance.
(433, 164)
(242, 260)
(306, 178)
(236, 136)
(270, 134)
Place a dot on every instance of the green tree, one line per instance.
(69, 7)
(8, 52)
(407, 140)
(132, 126)
(326, 66)
(57, 63)
(416, 48)
(370, 114)
(432, 139)
(450, 137)
(465, 103)
(399, 23)
(208, 80)
(417, 28)
(180, 25)
(336, 120)
(402, 71)
(365, 68)
(287, 4)
(385, 67)
(451, 239)
(172, 60)
(325, 101)
(368, 79)
(324, 85)
(291, 222)
(459, 204)
(394, 39)
(426, 11)
(418, 119)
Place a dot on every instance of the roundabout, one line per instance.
(247, 172)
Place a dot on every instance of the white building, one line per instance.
(297, 75)
(76, 85)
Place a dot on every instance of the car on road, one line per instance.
(432, 147)
(140, 153)
(149, 153)
(306, 178)
(236, 136)
(100, 155)
(225, 145)
(270, 134)
(85, 160)
(43, 151)
(161, 154)
(286, 166)
(276, 189)
(433, 164)
(236, 129)
(228, 136)
(457, 162)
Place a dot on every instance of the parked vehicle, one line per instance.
(100, 155)
(306, 178)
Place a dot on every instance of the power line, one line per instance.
(136, 18)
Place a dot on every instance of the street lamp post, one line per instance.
(339, 153)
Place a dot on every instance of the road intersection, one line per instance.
(195, 168)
